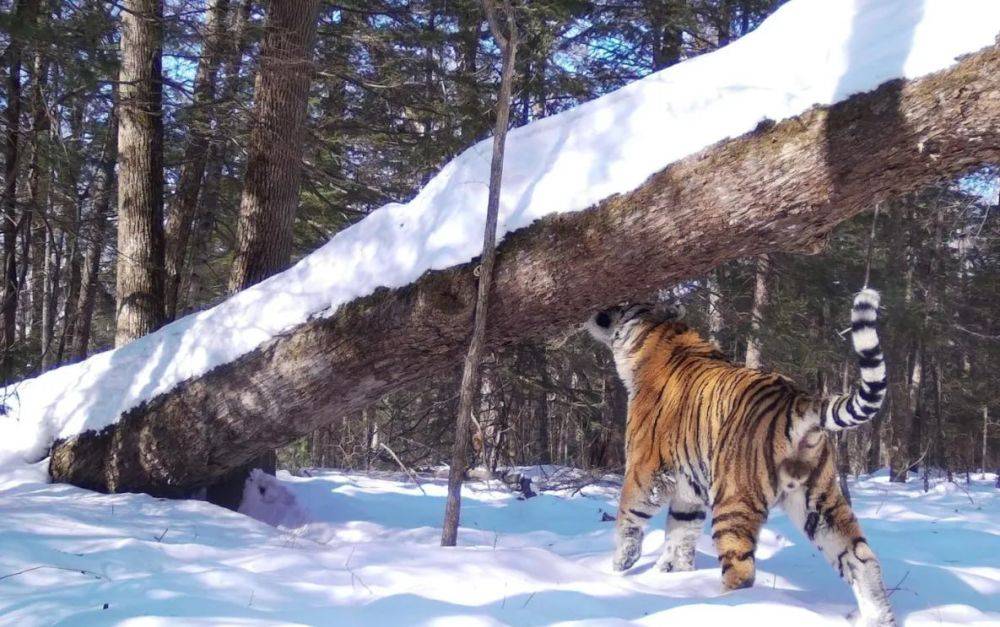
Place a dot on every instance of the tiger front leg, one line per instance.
(736, 524)
(640, 500)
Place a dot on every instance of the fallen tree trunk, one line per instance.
(779, 188)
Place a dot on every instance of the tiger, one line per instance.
(703, 434)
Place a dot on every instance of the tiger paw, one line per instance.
(882, 619)
(671, 563)
(627, 554)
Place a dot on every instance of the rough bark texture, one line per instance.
(237, 42)
(277, 138)
(23, 20)
(181, 216)
(753, 359)
(274, 171)
(139, 291)
(780, 188)
(104, 187)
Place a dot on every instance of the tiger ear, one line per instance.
(669, 310)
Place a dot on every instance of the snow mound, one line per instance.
(809, 52)
(268, 500)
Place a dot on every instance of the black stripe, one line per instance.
(850, 410)
(641, 514)
(858, 325)
(811, 523)
(688, 516)
(870, 362)
(870, 396)
(863, 306)
(871, 352)
(876, 386)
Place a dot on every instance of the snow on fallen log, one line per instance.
(252, 372)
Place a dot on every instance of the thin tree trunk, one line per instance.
(763, 264)
(104, 186)
(180, 218)
(139, 291)
(33, 242)
(986, 431)
(23, 20)
(714, 306)
(50, 297)
(470, 369)
(209, 199)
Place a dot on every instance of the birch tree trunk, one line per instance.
(757, 312)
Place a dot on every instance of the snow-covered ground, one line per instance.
(808, 52)
(363, 550)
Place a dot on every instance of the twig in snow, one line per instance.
(408, 471)
(71, 570)
(528, 600)
(347, 567)
(893, 589)
(160, 537)
(966, 492)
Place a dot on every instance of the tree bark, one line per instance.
(277, 138)
(104, 186)
(274, 171)
(780, 188)
(757, 312)
(470, 368)
(140, 280)
(23, 20)
(209, 198)
(180, 218)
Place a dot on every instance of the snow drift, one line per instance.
(370, 556)
(809, 52)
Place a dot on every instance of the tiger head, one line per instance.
(613, 324)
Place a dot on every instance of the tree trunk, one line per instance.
(103, 186)
(274, 170)
(208, 200)
(23, 21)
(781, 188)
(473, 357)
(714, 306)
(180, 218)
(757, 312)
(139, 291)
(50, 297)
(277, 138)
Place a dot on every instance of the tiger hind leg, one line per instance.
(685, 518)
(830, 523)
(736, 523)
(642, 496)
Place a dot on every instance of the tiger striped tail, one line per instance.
(857, 408)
